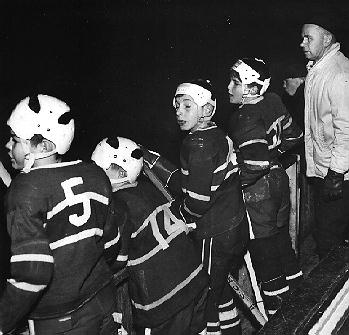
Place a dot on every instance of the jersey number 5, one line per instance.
(73, 199)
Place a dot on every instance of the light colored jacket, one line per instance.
(327, 114)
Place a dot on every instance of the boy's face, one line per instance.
(235, 91)
(291, 85)
(16, 152)
(188, 112)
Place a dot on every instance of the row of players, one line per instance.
(74, 225)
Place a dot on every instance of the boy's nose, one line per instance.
(179, 110)
(8, 145)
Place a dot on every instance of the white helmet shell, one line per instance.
(26, 123)
(200, 95)
(127, 155)
(248, 75)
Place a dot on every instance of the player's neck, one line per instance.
(53, 159)
(253, 100)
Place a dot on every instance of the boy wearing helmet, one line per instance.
(262, 128)
(212, 199)
(59, 220)
(167, 283)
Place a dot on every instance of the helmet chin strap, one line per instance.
(246, 94)
(30, 157)
(119, 184)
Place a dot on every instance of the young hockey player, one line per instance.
(167, 283)
(212, 199)
(262, 129)
(59, 219)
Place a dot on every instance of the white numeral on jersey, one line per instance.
(74, 199)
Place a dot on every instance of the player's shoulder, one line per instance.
(248, 114)
(25, 189)
(272, 98)
(205, 138)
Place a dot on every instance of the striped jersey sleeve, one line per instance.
(31, 263)
(117, 234)
(250, 137)
(116, 220)
(291, 134)
(282, 132)
(168, 173)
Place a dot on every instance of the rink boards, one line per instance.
(320, 306)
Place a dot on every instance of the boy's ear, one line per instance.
(46, 146)
(254, 90)
(208, 110)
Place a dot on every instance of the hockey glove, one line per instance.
(333, 186)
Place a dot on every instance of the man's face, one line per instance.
(313, 42)
(188, 113)
(235, 90)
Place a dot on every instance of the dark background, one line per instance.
(117, 63)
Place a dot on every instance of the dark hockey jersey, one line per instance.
(210, 182)
(165, 273)
(59, 220)
(261, 132)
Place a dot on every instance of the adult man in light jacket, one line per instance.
(327, 130)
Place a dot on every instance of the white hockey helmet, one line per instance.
(122, 152)
(26, 122)
(200, 91)
(253, 70)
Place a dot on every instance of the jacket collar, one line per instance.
(335, 47)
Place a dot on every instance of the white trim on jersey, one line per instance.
(26, 286)
(171, 293)
(32, 258)
(76, 237)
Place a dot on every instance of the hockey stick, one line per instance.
(257, 292)
(246, 300)
(244, 297)
(252, 273)
(157, 182)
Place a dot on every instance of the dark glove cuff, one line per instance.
(334, 174)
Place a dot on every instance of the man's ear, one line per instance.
(327, 39)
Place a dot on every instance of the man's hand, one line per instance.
(333, 186)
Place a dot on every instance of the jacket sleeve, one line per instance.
(31, 261)
(339, 100)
